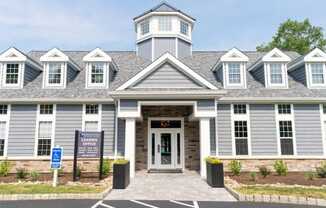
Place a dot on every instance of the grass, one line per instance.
(46, 189)
(290, 191)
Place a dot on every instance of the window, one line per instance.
(239, 109)
(276, 76)
(3, 109)
(3, 131)
(144, 27)
(46, 109)
(54, 74)
(97, 73)
(165, 23)
(234, 73)
(184, 28)
(92, 109)
(91, 126)
(12, 73)
(286, 137)
(44, 138)
(317, 73)
(284, 109)
(241, 137)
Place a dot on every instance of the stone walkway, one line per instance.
(186, 186)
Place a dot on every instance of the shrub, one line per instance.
(253, 176)
(79, 171)
(281, 168)
(106, 167)
(213, 160)
(34, 175)
(235, 167)
(21, 173)
(310, 175)
(321, 171)
(4, 168)
(264, 171)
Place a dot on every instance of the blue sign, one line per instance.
(56, 159)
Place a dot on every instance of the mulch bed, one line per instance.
(292, 178)
(63, 178)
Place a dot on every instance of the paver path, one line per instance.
(187, 186)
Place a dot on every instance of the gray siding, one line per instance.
(184, 49)
(128, 105)
(163, 45)
(108, 125)
(213, 136)
(259, 74)
(167, 77)
(145, 49)
(206, 105)
(224, 129)
(220, 75)
(299, 75)
(263, 129)
(21, 139)
(68, 119)
(121, 137)
(30, 74)
(71, 74)
(308, 129)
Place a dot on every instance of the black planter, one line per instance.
(215, 175)
(121, 176)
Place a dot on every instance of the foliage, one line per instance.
(280, 168)
(34, 175)
(253, 176)
(106, 167)
(79, 171)
(235, 167)
(4, 168)
(321, 171)
(213, 160)
(310, 175)
(121, 161)
(21, 173)
(264, 171)
(60, 171)
(297, 36)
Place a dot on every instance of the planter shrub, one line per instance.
(4, 168)
(281, 168)
(264, 171)
(121, 174)
(235, 167)
(321, 171)
(214, 172)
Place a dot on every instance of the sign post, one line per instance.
(56, 163)
(88, 145)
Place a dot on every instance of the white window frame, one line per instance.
(285, 117)
(309, 77)
(268, 83)
(241, 117)
(188, 26)
(62, 83)
(6, 118)
(106, 75)
(92, 117)
(243, 79)
(44, 118)
(3, 73)
(147, 22)
(166, 20)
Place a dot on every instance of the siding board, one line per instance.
(108, 125)
(224, 129)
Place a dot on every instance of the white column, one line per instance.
(204, 144)
(130, 142)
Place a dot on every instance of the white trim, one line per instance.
(267, 73)
(130, 144)
(63, 76)
(20, 79)
(106, 76)
(241, 117)
(56, 55)
(92, 117)
(97, 55)
(243, 76)
(204, 140)
(310, 57)
(323, 127)
(157, 63)
(234, 55)
(216, 130)
(285, 117)
(203, 113)
(6, 118)
(138, 19)
(116, 127)
(310, 84)
(282, 57)
(129, 114)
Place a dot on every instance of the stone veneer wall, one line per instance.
(191, 134)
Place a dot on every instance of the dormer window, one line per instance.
(234, 73)
(97, 73)
(276, 75)
(144, 27)
(164, 23)
(317, 73)
(184, 28)
(55, 74)
(12, 74)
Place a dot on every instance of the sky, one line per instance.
(87, 24)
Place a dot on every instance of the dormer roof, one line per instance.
(56, 55)
(14, 55)
(315, 55)
(233, 55)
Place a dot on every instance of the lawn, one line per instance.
(290, 191)
(47, 189)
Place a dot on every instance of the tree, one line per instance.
(296, 36)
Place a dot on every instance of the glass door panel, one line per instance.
(166, 147)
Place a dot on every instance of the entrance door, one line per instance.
(166, 148)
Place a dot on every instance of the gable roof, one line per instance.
(315, 55)
(234, 55)
(56, 55)
(167, 58)
(13, 54)
(163, 7)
